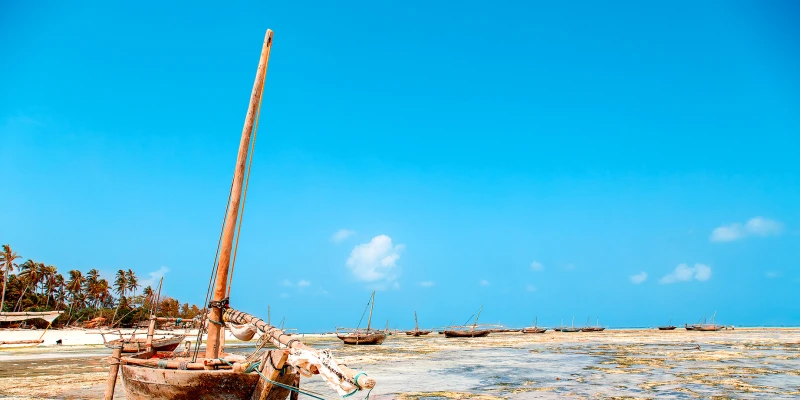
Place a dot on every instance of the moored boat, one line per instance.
(667, 327)
(467, 331)
(534, 328)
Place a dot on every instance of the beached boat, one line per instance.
(359, 336)
(667, 327)
(139, 345)
(48, 316)
(595, 328)
(416, 332)
(534, 328)
(570, 329)
(219, 375)
(467, 331)
(712, 327)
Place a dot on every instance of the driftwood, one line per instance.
(21, 342)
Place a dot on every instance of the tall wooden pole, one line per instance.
(221, 282)
(371, 305)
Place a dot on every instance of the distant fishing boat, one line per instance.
(709, 327)
(416, 332)
(667, 327)
(367, 336)
(48, 316)
(596, 328)
(465, 331)
(534, 328)
(572, 329)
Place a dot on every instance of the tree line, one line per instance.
(36, 286)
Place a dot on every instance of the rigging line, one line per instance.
(364, 313)
(246, 185)
(204, 312)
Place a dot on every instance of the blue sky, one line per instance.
(539, 159)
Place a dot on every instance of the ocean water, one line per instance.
(740, 364)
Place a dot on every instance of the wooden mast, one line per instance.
(229, 229)
(475, 325)
(416, 323)
(371, 305)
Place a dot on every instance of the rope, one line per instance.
(281, 385)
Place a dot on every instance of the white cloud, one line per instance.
(300, 284)
(639, 278)
(286, 282)
(537, 266)
(756, 226)
(683, 273)
(303, 283)
(376, 260)
(530, 288)
(342, 235)
(483, 282)
(773, 274)
(153, 278)
(426, 283)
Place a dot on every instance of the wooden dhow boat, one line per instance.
(534, 328)
(467, 331)
(359, 336)
(712, 327)
(667, 327)
(416, 332)
(570, 329)
(267, 374)
(48, 316)
(595, 328)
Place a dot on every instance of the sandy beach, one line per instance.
(743, 363)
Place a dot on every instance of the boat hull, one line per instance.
(139, 345)
(143, 383)
(592, 329)
(417, 333)
(534, 330)
(363, 338)
(570, 330)
(469, 334)
(666, 328)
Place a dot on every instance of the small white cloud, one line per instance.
(483, 282)
(153, 278)
(426, 283)
(286, 282)
(683, 273)
(536, 266)
(376, 260)
(773, 274)
(342, 235)
(756, 226)
(639, 278)
(396, 285)
(303, 283)
(530, 288)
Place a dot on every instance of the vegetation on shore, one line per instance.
(36, 286)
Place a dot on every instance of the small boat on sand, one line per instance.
(467, 331)
(534, 328)
(595, 328)
(416, 332)
(358, 336)
(570, 329)
(667, 327)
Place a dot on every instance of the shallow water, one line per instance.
(622, 364)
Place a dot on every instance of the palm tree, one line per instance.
(49, 279)
(59, 290)
(101, 292)
(7, 266)
(30, 274)
(90, 285)
(75, 286)
(121, 283)
(133, 282)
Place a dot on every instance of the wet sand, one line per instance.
(744, 363)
